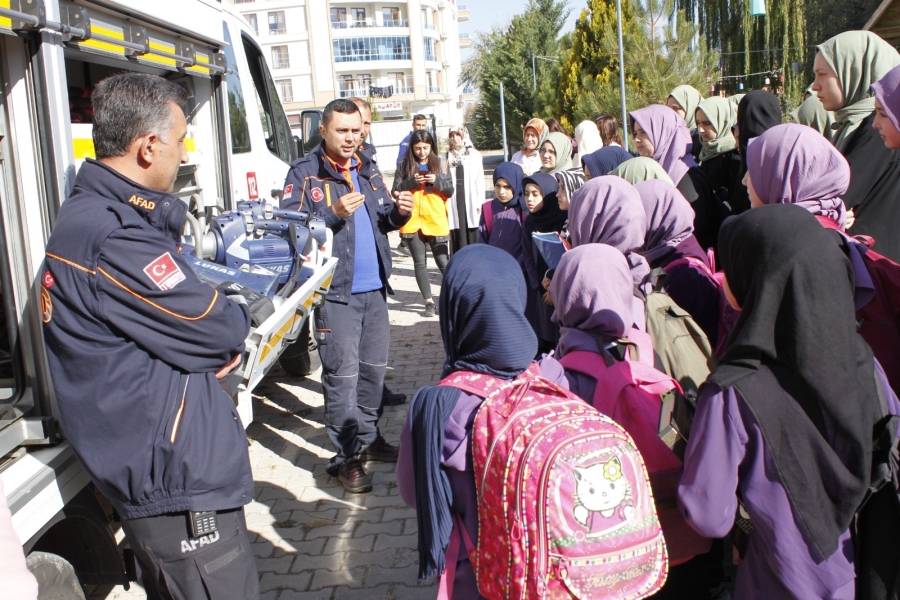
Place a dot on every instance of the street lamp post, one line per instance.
(534, 70)
(622, 74)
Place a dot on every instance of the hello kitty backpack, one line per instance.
(630, 392)
(565, 508)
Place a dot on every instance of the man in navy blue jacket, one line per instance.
(136, 345)
(343, 187)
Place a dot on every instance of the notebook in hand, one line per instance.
(550, 247)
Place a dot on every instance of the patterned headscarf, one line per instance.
(456, 155)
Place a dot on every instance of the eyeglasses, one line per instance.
(548, 151)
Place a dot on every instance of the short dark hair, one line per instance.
(129, 106)
(419, 118)
(554, 126)
(361, 103)
(340, 105)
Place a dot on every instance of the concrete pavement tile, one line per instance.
(294, 581)
(350, 578)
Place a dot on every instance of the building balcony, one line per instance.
(434, 89)
(367, 23)
(369, 57)
(428, 26)
(277, 30)
(465, 41)
(462, 12)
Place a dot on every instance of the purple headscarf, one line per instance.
(671, 139)
(670, 218)
(593, 295)
(887, 92)
(794, 164)
(608, 210)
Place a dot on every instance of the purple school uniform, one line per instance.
(727, 453)
(692, 290)
(457, 463)
(507, 232)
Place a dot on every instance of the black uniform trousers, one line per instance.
(353, 341)
(176, 566)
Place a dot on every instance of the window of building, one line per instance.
(429, 50)
(339, 16)
(372, 48)
(276, 23)
(399, 80)
(243, 1)
(285, 90)
(390, 16)
(365, 82)
(346, 86)
(254, 25)
(427, 19)
(280, 57)
(359, 15)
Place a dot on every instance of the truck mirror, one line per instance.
(296, 148)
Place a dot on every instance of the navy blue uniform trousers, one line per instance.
(353, 341)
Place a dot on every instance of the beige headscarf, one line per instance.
(722, 113)
(689, 99)
(641, 169)
(859, 59)
(812, 114)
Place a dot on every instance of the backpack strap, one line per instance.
(696, 263)
(488, 213)
(445, 589)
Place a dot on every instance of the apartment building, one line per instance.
(402, 54)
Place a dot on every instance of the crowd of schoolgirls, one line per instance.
(735, 284)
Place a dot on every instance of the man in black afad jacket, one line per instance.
(136, 345)
(343, 187)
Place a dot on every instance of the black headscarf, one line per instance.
(551, 217)
(795, 289)
(758, 112)
(483, 326)
(513, 175)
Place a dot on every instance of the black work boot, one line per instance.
(389, 398)
(353, 476)
(379, 450)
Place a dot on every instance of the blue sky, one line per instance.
(485, 14)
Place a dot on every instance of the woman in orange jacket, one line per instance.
(421, 174)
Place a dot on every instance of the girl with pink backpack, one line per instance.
(484, 329)
(521, 489)
(609, 363)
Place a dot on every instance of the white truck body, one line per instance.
(239, 143)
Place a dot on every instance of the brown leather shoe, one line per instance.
(379, 450)
(353, 477)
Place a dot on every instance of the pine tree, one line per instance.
(504, 55)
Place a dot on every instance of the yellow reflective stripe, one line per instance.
(4, 22)
(160, 59)
(327, 195)
(83, 148)
(105, 46)
(277, 337)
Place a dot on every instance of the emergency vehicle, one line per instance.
(52, 52)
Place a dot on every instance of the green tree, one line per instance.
(661, 52)
(504, 55)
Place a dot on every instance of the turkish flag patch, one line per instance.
(316, 194)
(288, 190)
(164, 272)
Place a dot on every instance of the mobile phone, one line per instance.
(203, 523)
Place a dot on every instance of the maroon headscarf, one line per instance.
(794, 164)
(671, 139)
(592, 291)
(670, 218)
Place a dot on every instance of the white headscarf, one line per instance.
(587, 136)
(456, 155)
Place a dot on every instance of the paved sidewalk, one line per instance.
(312, 540)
